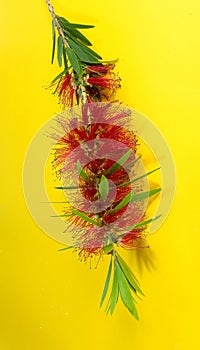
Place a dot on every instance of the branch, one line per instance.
(60, 31)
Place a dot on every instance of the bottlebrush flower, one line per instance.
(65, 90)
(108, 122)
(101, 81)
(98, 82)
(89, 239)
(134, 239)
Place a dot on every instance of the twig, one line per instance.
(60, 31)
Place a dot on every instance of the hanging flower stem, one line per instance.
(86, 78)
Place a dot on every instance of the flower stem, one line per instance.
(60, 31)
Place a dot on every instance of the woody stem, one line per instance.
(60, 31)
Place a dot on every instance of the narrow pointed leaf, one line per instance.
(53, 28)
(81, 53)
(123, 203)
(63, 20)
(81, 172)
(66, 248)
(82, 26)
(85, 217)
(115, 292)
(144, 195)
(90, 51)
(74, 60)
(66, 188)
(121, 261)
(108, 248)
(146, 222)
(138, 178)
(129, 275)
(54, 43)
(68, 34)
(65, 71)
(65, 59)
(103, 187)
(107, 306)
(131, 164)
(60, 50)
(105, 290)
(131, 197)
(78, 35)
(119, 163)
(125, 292)
(141, 224)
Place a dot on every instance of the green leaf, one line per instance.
(60, 50)
(90, 51)
(78, 35)
(144, 195)
(119, 163)
(53, 28)
(103, 187)
(122, 204)
(74, 60)
(53, 48)
(81, 172)
(129, 275)
(83, 53)
(63, 21)
(70, 30)
(115, 292)
(66, 248)
(107, 306)
(65, 58)
(141, 224)
(131, 197)
(108, 248)
(125, 292)
(54, 41)
(138, 178)
(65, 71)
(105, 290)
(85, 217)
(82, 26)
(66, 187)
(132, 163)
(110, 61)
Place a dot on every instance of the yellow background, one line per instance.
(49, 300)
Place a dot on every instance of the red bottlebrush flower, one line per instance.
(107, 123)
(81, 135)
(106, 82)
(135, 239)
(65, 90)
(99, 122)
(96, 83)
(101, 81)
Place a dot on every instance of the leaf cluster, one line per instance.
(74, 51)
(124, 285)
